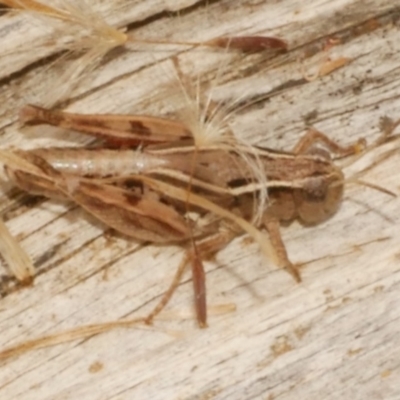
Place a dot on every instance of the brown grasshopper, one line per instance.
(150, 181)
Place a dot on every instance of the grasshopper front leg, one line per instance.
(273, 228)
(308, 144)
(317, 199)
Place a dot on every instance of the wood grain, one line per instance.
(334, 336)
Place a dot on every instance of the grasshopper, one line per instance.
(148, 180)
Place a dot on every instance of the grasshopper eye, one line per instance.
(320, 198)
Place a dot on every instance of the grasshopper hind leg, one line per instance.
(202, 249)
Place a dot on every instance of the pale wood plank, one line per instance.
(335, 336)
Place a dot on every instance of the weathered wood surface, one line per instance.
(334, 336)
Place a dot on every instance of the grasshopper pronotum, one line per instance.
(160, 190)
